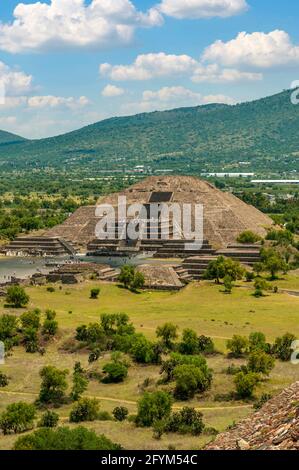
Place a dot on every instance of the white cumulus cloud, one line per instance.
(74, 23)
(172, 97)
(262, 50)
(148, 66)
(111, 91)
(214, 74)
(51, 101)
(156, 65)
(14, 82)
(202, 8)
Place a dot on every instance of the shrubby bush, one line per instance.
(238, 346)
(86, 409)
(17, 418)
(185, 421)
(153, 407)
(17, 297)
(168, 333)
(3, 380)
(248, 237)
(246, 383)
(282, 347)
(50, 325)
(115, 372)
(260, 362)
(190, 380)
(120, 413)
(49, 420)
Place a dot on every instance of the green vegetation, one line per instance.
(49, 420)
(248, 237)
(86, 409)
(219, 317)
(196, 138)
(65, 439)
(17, 297)
(17, 418)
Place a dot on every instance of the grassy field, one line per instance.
(203, 307)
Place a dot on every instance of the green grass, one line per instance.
(202, 307)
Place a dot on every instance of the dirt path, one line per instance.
(130, 402)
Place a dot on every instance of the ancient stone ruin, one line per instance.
(274, 427)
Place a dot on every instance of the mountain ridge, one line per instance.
(196, 136)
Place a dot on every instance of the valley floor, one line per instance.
(203, 307)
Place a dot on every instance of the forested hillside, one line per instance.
(264, 132)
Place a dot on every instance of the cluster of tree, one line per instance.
(224, 268)
(24, 214)
(190, 374)
(130, 278)
(28, 330)
(260, 359)
(155, 410)
(115, 332)
(64, 438)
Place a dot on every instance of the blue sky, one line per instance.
(68, 63)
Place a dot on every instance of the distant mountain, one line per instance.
(264, 132)
(6, 138)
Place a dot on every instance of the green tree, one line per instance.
(260, 362)
(80, 382)
(116, 372)
(30, 319)
(273, 262)
(120, 413)
(138, 281)
(94, 293)
(246, 383)
(221, 267)
(282, 348)
(126, 276)
(257, 341)
(17, 418)
(228, 284)
(260, 285)
(189, 344)
(238, 345)
(189, 381)
(9, 331)
(3, 380)
(50, 325)
(168, 333)
(86, 409)
(143, 351)
(153, 407)
(185, 421)
(49, 420)
(17, 297)
(53, 385)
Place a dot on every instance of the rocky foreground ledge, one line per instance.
(274, 427)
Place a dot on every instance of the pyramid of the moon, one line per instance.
(225, 216)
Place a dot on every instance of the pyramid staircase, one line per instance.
(39, 246)
(245, 254)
